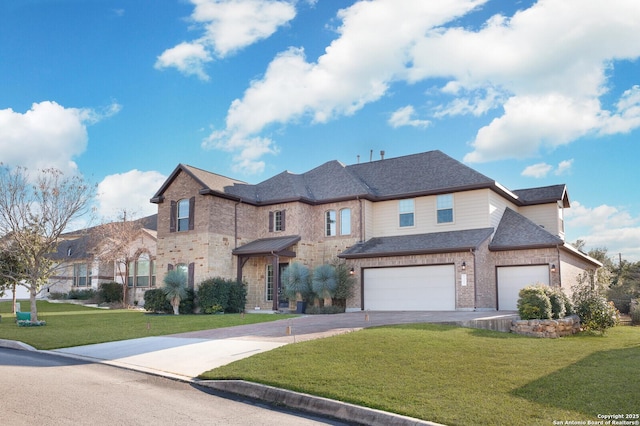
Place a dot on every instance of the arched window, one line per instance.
(143, 270)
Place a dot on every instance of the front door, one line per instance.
(283, 301)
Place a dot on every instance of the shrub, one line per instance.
(324, 282)
(315, 310)
(533, 303)
(82, 294)
(110, 292)
(220, 293)
(635, 312)
(345, 284)
(296, 282)
(57, 295)
(156, 301)
(187, 303)
(560, 303)
(595, 312)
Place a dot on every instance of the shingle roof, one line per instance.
(545, 194)
(437, 242)
(267, 245)
(517, 232)
(426, 173)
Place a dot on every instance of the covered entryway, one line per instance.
(410, 288)
(513, 278)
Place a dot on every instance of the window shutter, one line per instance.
(282, 222)
(271, 221)
(192, 205)
(192, 268)
(173, 216)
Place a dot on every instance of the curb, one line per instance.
(13, 344)
(313, 404)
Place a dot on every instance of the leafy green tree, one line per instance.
(34, 211)
(175, 288)
(324, 282)
(12, 271)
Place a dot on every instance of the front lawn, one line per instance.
(75, 325)
(459, 376)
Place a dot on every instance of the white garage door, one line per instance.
(513, 278)
(411, 288)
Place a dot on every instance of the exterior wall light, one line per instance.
(464, 265)
(553, 267)
(351, 271)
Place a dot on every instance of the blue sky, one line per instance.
(528, 93)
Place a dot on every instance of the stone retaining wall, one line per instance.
(547, 328)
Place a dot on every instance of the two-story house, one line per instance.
(420, 232)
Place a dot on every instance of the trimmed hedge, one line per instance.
(533, 303)
(110, 292)
(220, 294)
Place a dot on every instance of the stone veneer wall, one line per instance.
(547, 328)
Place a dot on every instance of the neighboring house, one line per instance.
(420, 232)
(83, 263)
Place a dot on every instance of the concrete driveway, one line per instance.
(184, 356)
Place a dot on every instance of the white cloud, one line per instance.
(48, 135)
(130, 191)
(357, 68)
(564, 167)
(188, 58)
(404, 117)
(227, 26)
(607, 227)
(539, 170)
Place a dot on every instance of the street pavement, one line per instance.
(186, 355)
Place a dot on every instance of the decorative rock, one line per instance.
(547, 328)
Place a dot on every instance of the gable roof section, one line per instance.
(437, 242)
(211, 183)
(544, 195)
(517, 232)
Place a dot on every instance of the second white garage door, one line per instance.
(411, 288)
(513, 278)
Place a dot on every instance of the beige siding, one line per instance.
(545, 215)
(470, 211)
(497, 206)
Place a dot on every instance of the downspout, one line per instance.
(361, 220)
(235, 223)
(276, 278)
(475, 280)
(558, 267)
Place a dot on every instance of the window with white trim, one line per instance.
(444, 208)
(345, 222)
(183, 215)
(269, 283)
(330, 223)
(81, 275)
(406, 211)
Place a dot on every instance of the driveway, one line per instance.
(184, 356)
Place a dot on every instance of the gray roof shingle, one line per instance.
(267, 245)
(437, 242)
(517, 232)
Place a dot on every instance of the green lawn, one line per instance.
(459, 376)
(74, 325)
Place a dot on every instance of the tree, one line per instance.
(34, 212)
(12, 271)
(175, 288)
(114, 242)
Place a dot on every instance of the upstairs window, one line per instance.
(345, 222)
(330, 223)
(182, 215)
(445, 208)
(406, 209)
(276, 221)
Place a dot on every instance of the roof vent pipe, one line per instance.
(370, 155)
(358, 157)
(382, 155)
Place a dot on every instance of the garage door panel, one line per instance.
(511, 279)
(410, 288)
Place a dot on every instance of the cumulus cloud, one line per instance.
(405, 117)
(47, 135)
(226, 26)
(539, 170)
(604, 226)
(130, 191)
(564, 167)
(541, 72)
(371, 52)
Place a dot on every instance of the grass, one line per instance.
(459, 376)
(75, 325)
